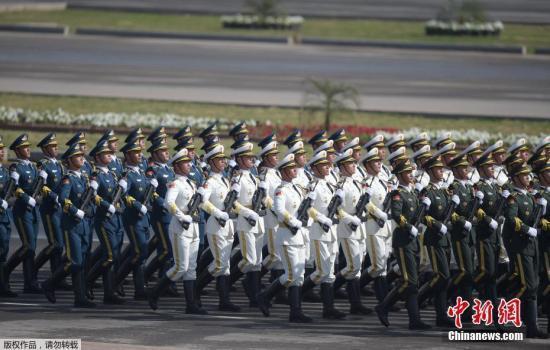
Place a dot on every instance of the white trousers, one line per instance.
(251, 245)
(221, 251)
(273, 260)
(294, 263)
(353, 253)
(379, 249)
(325, 253)
(185, 250)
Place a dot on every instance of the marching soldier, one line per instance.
(318, 140)
(339, 140)
(360, 173)
(323, 236)
(421, 178)
(290, 243)
(395, 143)
(5, 228)
(440, 200)
(519, 226)
(183, 134)
(219, 229)
(107, 221)
(378, 142)
(472, 153)
(75, 194)
(184, 235)
(112, 142)
(420, 141)
(139, 194)
(404, 209)
(350, 234)
(332, 177)
(137, 136)
(499, 154)
(50, 209)
(25, 213)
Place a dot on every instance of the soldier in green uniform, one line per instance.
(519, 216)
(462, 234)
(404, 211)
(436, 239)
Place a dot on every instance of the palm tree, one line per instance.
(329, 97)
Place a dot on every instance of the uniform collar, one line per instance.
(78, 173)
(436, 185)
(163, 165)
(24, 161)
(103, 168)
(520, 190)
(134, 168)
(406, 188)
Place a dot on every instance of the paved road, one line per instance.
(528, 11)
(135, 326)
(274, 74)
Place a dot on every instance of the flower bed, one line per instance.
(255, 22)
(436, 27)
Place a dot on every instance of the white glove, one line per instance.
(381, 214)
(232, 163)
(186, 218)
(15, 176)
(414, 231)
(480, 195)
(467, 225)
(542, 201)
(143, 210)
(43, 175)
(418, 186)
(263, 185)
(295, 223)
(355, 220)
(154, 182)
(505, 193)
(32, 202)
(370, 191)
(122, 183)
(94, 185)
(493, 224)
(222, 215)
(4, 204)
(252, 215)
(204, 192)
(312, 195)
(427, 202)
(455, 199)
(340, 193)
(111, 209)
(236, 187)
(443, 230)
(323, 220)
(532, 232)
(80, 214)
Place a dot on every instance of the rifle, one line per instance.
(361, 206)
(87, 198)
(451, 208)
(334, 204)
(420, 211)
(8, 192)
(302, 214)
(36, 188)
(118, 194)
(538, 213)
(193, 209)
(230, 198)
(473, 210)
(258, 198)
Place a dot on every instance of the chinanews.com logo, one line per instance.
(509, 313)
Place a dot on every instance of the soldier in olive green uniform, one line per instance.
(404, 211)
(462, 234)
(436, 239)
(519, 216)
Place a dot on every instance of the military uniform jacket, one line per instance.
(404, 206)
(28, 173)
(544, 239)
(249, 184)
(135, 195)
(4, 178)
(217, 188)
(273, 180)
(352, 191)
(434, 216)
(288, 198)
(55, 172)
(116, 166)
(179, 194)
(465, 192)
(377, 199)
(487, 211)
(164, 175)
(518, 215)
(107, 185)
(71, 194)
(303, 178)
(324, 193)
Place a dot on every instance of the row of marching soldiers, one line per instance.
(444, 222)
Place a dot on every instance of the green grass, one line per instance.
(408, 31)
(277, 116)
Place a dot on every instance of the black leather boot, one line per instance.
(49, 285)
(223, 286)
(415, 323)
(154, 293)
(327, 295)
(295, 301)
(382, 308)
(109, 296)
(80, 299)
(5, 290)
(532, 331)
(354, 294)
(31, 284)
(139, 283)
(263, 298)
(191, 307)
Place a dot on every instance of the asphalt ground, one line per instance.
(135, 326)
(432, 82)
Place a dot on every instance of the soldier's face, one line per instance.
(76, 162)
(488, 171)
(524, 155)
(339, 145)
(191, 153)
(104, 158)
(382, 152)
(461, 172)
(499, 157)
(51, 151)
(545, 178)
(522, 180)
(322, 169)
(183, 168)
(162, 155)
(133, 157)
(331, 157)
(349, 168)
(141, 142)
(289, 173)
(436, 173)
(406, 177)
(113, 146)
(271, 160)
(218, 164)
(83, 147)
(24, 152)
(246, 162)
(446, 158)
(300, 159)
(375, 166)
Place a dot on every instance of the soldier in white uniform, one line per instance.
(447, 153)
(340, 139)
(323, 236)
(333, 177)
(499, 154)
(350, 234)
(422, 179)
(354, 145)
(318, 140)
(290, 243)
(378, 142)
(219, 229)
(472, 152)
(419, 142)
(184, 235)
(251, 239)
